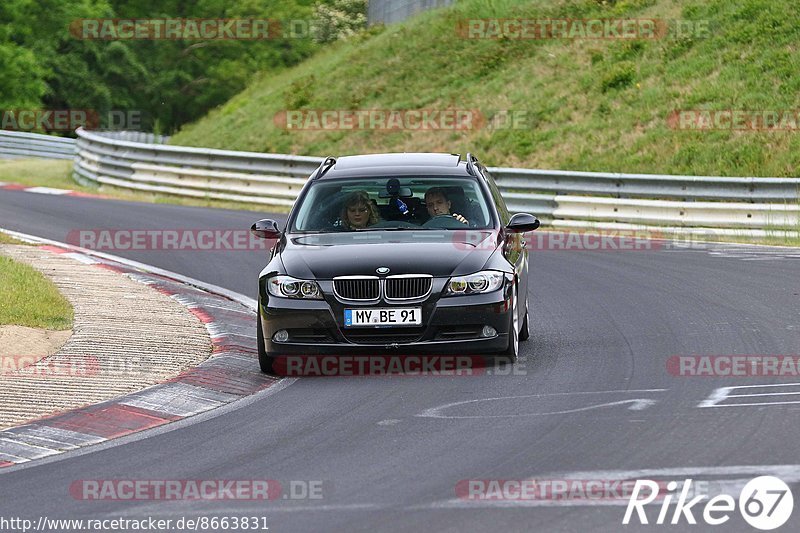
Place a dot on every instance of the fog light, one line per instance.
(282, 335)
(488, 331)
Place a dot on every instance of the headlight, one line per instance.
(289, 287)
(477, 283)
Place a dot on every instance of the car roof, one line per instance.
(397, 164)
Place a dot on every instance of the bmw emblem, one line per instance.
(382, 270)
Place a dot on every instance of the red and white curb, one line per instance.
(46, 190)
(231, 373)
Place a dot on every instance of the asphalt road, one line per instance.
(592, 396)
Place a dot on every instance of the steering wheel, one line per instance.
(393, 224)
(444, 222)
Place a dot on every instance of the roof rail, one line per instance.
(326, 165)
(471, 161)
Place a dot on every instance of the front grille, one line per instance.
(384, 335)
(366, 288)
(407, 287)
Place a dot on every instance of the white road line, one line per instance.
(48, 190)
(717, 395)
(721, 394)
(766, 385)
(750, 404)
(637, 404)
(762, 394)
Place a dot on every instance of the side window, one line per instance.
(502, 210)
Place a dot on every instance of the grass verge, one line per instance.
(588, 104)
(29, 299)
(8, 239)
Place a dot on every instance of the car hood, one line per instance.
(439, 253)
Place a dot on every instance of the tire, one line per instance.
(524, 331)
(264, 360)
(512, 352)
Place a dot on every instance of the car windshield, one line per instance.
(402, 203)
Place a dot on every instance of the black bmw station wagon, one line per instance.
(395, 253)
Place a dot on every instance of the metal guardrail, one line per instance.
(15, 144)
(649, 185)
(271, 179)
(744, 206)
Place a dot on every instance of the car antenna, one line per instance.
(326, 165)
(471, 160)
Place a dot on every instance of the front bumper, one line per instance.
(451, 325)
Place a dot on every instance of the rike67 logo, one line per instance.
(765, 503)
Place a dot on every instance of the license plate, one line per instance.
(383, 316)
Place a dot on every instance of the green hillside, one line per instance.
(588, 104)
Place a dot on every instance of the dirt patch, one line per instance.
(32, 344)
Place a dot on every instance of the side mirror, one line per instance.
(522, 222)
(266, 229)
